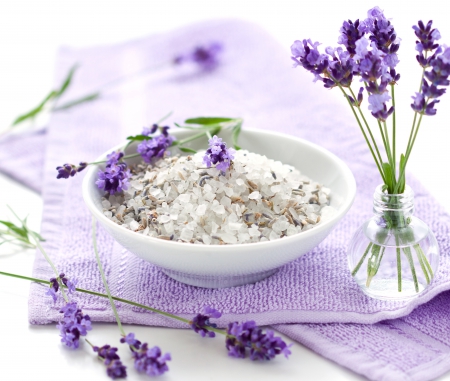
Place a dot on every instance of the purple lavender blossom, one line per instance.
(350, 35)
(437, 76)
(200, 323)
(69, 170)
(156, 147)
(114, 179)
(74, 325)
(147, 131)
(115, 369)
(151, 361)
(131, 341)
(55, 282)
(427, 37)
(218, 154)
(262, 346)
(206, 57)
(114, 157)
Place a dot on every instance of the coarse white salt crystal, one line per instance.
(240, 182)
(186, 234)
(219, 209)
(201, 210)
(234, 225)
(106, 204)
(107, 213)
(228, 238)
(291, 230)
(225, 201)
(134, 225)
(275, 188)
(163, 219)
(254, 195)
(273, 235)
(184, 198)
(169, 227)
(206, 239)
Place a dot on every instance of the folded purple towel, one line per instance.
(254, 81)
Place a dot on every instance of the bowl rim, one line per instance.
(219, 249)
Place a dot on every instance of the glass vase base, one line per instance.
(387, 289)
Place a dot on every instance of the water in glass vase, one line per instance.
(393, 255)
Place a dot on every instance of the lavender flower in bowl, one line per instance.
(216, 266)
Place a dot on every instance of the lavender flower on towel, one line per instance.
(55, 283)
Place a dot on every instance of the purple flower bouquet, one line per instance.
(393, 243)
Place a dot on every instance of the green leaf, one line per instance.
(67, 81)
(235, 135)
(139, 138)
(31, 114)
(402, 180)
(207, 120)
(187, 150)
(175, 143)
(76, 102)
(16, 229)
(388, 175)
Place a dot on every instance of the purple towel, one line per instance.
(255, 81)
(22, 157)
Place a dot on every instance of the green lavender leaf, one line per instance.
(207, 120)
(16, 229)
(67, 81)
(187, 150)
(31, 114)
(76, 102)
(235, 135)
(402, 180)
(139, 138)
(389, 177)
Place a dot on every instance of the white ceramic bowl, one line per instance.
(215, 266)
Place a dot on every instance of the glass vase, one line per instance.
(393, 255)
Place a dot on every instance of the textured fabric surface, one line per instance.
(255, 81)
(22, 157)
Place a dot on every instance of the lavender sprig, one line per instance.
(206, 56)
(218, 154)
(74, 325)
(201, 323)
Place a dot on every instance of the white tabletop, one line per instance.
(34, 30)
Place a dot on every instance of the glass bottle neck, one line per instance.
(393, 210)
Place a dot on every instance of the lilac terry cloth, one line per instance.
(255, 81)
(22, 157)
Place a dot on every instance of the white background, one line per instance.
(30, 33)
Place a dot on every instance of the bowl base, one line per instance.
(211, 281)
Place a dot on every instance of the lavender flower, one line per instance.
(114, 179)
(206, 57)
(55, 282)
(115, 369)
(201, 322)
(156, 147)
(69, 170)
(218, 154)
(437, 76)
(74, 325)
(350, 34)
(427, 37)
(262, 346)
(131, 341)
(147, 131)
(151, 361)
